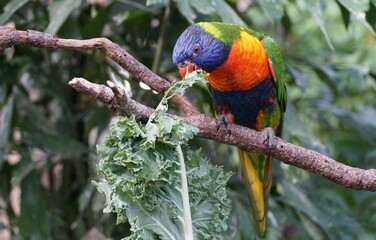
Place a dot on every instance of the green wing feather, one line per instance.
(274, 55)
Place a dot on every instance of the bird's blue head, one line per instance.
(199, 48)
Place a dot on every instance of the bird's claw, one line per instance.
(269, 137)
(222, 120)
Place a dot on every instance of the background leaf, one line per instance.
(273, 9)
(315, 9)
(59, 11)
(186, 10)
(6, 120)
(33, 218)
(358, 9)
(10, 9)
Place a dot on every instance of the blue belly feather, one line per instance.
(245, 105)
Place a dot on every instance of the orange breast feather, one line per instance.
(246, 66)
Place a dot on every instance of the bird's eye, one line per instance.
(196, 49)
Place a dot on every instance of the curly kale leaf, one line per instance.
(142, 183)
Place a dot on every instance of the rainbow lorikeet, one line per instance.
(247, 83)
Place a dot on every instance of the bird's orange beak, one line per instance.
(189, 68)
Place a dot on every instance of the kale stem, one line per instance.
(187, 224)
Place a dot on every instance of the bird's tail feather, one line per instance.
(257, 174)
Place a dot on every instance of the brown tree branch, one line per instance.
(244, 138)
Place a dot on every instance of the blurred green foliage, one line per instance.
(48, 132)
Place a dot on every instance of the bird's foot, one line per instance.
(222, 120)
(225, 118)
(269, 137)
